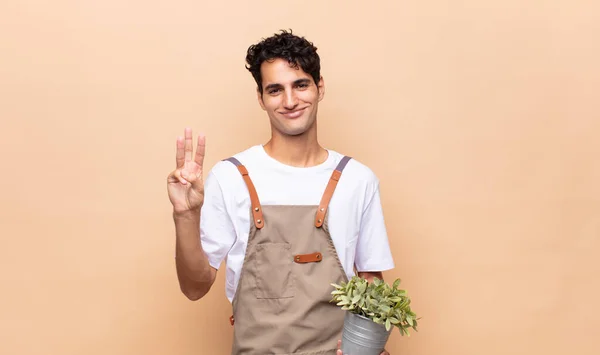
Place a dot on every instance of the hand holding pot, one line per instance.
(339, 351)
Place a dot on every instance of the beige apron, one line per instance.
(281, 305)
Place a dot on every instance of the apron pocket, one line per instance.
(273, 271)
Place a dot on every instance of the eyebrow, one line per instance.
(277, 86)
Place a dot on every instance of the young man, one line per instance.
(290, 217)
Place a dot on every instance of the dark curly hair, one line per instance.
(285, 45)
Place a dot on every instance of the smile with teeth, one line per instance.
(293, 114)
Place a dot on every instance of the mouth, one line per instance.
(293, 114)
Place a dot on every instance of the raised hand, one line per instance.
(185, 184)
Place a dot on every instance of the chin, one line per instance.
(294, 132)
(290, 128)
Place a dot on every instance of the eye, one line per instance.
(302, 85)
(273, 91)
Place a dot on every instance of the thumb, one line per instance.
(188, 176)
(339, 347)
(195, 179)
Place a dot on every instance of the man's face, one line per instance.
(290, 97)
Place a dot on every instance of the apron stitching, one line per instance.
(251, 237)
(333, 250)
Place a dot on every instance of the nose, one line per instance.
(290, 100)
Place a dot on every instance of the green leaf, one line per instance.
(384, 308)
(388, 325)
(362, 288)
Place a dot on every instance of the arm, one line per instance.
(194, 272)
(373, 253)
(186, 193)
(373, 250)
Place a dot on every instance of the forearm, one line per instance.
(369, 276)
(194, 273)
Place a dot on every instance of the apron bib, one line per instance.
(281, 305)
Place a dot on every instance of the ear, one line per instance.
(259, 98)
(321, 87)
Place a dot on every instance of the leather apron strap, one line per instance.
(259, 221)
(333, 181)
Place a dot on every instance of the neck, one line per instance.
(298, 151)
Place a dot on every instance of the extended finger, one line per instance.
(179, 156)
(188, 144)
(200, 150)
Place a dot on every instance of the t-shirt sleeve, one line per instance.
(373, 250)
(217, 232)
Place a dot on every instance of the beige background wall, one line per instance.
(479, 117)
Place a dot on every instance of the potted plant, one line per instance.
(373, 309)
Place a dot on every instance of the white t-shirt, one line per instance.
(355, 217)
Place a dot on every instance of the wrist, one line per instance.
(187, 214)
